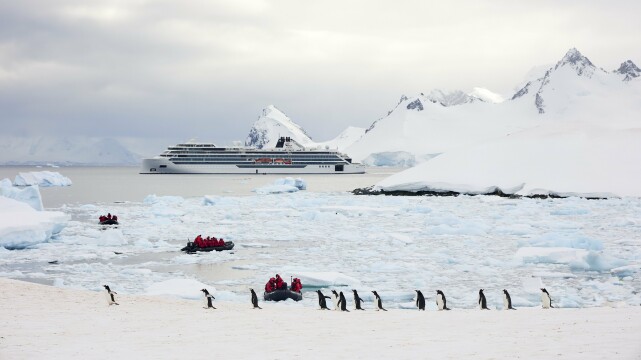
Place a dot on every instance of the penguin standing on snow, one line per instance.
(379, 302)
(546, 299)
(482, 301)
(208, 299)
(357, 301)
(342, 302)
(255, 299)
(110, 296)
(336, 299)
(441, 302)
(507, 301)
(420, 300)
(321, 300)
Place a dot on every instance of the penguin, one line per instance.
(546, 299)
(208, 299)
(255, 299)
(321, 300)
(336, 299)
(357, 301)
(507, 301)
(482, 301)
(110, 296)
(420, 300)
(379, 302)
(342, 302)
(441, 302)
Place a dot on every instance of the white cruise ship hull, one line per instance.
(165, 166)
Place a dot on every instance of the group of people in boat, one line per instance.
(277, 283)
(108, 217)
(208, 241)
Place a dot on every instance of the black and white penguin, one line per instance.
(546, 299)
(321, 300)
(336, 299)
(420, 300)
(342, 302)
(255, 299)
(441, 302)
(379, 302)
(357, 301)
(208, 299)
(111, 300)
(482, 301)
(507, 301)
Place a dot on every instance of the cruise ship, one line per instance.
(288, 157)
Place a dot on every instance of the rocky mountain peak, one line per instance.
(629, 69)
(581, 64)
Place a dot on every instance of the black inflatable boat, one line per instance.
(109, 222)
(192, 248)
(279, 295)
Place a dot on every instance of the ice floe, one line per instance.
(42, 178)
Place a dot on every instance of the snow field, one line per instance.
(159, 327)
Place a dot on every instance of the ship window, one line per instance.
(163, 166)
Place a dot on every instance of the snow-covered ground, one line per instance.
(40, 322)
(586, 253)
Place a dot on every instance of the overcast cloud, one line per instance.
(205, 69)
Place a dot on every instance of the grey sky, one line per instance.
(205, 69)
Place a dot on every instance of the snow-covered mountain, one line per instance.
(344, 139)
(574, 130)
(629, 70)
(64, 151)
(425, 125)
(271, 125)
(458, 97)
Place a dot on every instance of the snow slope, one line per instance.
(583, 139)
(425, 128)
(64, 151)
(344, 139)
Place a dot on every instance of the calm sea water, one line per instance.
(117, 184)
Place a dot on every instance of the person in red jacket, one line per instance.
(102, 218)
(297, 285)
(269, 287)
(280, 284)
(221, 242)
(108, 216)
(199, 241)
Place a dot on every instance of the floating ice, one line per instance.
(180, 288)
(21, 226)
(42, 178)
(29, 195)
(154, 199)
(572, 240)
(578, 259)
(325, 279)
(283, 185)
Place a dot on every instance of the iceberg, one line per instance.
(22, 226)
(42, 178)
(283, 185)
(29, 195)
